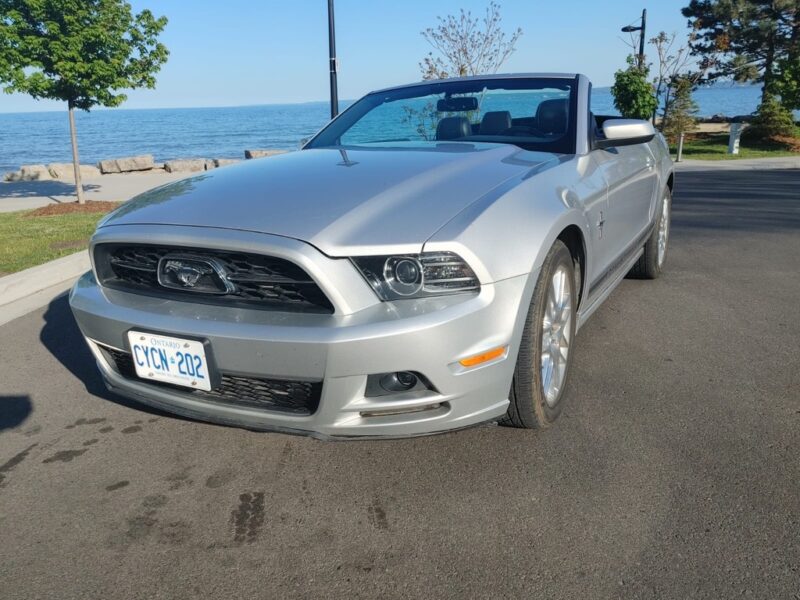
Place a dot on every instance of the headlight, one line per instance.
(417, 275)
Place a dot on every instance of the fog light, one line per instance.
(398, 382)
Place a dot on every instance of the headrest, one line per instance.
(451, 128)
(495, 122)
(551, 115)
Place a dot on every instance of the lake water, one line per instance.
(33, 138)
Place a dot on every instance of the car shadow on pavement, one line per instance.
(14, 410)
(62, 338)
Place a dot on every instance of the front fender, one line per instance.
(509, 232)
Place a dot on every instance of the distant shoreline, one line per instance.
(723, 85)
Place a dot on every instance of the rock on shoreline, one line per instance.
(29, 173)
(129, 164)
(248, 154)
(144, 162)
(66, 172)
(189, 165)
(58, 171)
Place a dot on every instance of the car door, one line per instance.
(631, 176)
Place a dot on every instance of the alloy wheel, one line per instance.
(663, 231)
(556, 335)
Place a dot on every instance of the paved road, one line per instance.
(673, 473)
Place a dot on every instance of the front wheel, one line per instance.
(540, 377)
(651, 262)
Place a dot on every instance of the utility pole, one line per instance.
(332, 59)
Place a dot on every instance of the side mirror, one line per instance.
(625, 132)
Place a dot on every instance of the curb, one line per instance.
(30, 281)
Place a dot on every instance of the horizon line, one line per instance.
(326, 101)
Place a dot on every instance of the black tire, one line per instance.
(528, 406)
(648, 267)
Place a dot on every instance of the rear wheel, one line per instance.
(540, 377)
(651, 263)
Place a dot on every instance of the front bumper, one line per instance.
(428, 336)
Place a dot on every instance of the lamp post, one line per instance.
(332, 60)
(641, 28)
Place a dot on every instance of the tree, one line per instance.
(674, 60)
(633, 94)
(772, 120)
(787, 83)
(467, 45)
(680, 108)
(744, 39)
(80, 52)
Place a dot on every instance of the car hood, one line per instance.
(344, 202)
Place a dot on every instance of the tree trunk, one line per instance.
(76, 165)
(769, 66)
(658, 98)
(667, 107)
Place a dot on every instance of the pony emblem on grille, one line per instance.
(194, 274)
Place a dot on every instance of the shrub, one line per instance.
(633, 94)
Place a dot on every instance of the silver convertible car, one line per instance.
(422, 264)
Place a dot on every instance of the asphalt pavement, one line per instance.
(674, 471)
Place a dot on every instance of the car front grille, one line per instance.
(281, 395)
(259, 281)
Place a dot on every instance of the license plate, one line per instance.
(169, 359)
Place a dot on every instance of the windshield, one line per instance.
(533, 113)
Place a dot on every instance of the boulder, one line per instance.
(108, 166)
(261, 153)
(66, 172)
(209, 164)
(34, 173)
(127, 164)
(223, 162)
(12, 176)
(135, 163)
(187, 164)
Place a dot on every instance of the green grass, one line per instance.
(715, 147)
(27, 241)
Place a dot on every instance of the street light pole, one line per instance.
(640, 29)
(332, 59)
(641, 39)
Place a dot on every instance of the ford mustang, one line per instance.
(423, 263)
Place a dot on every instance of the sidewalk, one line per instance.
(22, 195)
(740, 164)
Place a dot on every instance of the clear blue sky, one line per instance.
(242, 52)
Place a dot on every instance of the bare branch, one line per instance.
(468, 45)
